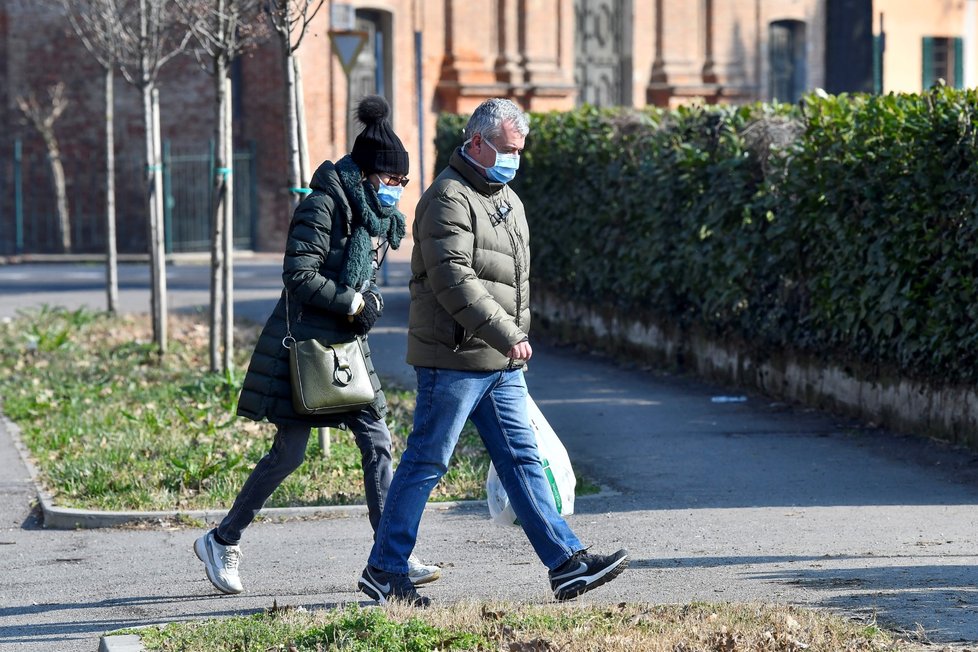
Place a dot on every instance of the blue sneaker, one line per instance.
(583, 572)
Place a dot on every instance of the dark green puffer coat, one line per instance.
(318, 304)
(470, 273)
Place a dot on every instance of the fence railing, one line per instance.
(28, 215)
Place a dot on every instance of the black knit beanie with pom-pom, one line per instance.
(377, 148)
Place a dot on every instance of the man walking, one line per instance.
(468, 341)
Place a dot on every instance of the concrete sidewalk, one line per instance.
(740, 501)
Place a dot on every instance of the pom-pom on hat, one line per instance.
(377, 148)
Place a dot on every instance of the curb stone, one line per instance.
(67, 518)
(121, 643)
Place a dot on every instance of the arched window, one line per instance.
(786, 60)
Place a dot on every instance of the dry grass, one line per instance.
(697, 627)
(665, 628)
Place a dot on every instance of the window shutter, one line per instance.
(878, 64)
(959, 62)
(927, 59)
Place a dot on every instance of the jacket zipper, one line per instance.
(518, 261)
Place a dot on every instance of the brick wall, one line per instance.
(263, 121)
(40, 50)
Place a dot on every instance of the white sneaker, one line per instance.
(420, 573)
(220, 562)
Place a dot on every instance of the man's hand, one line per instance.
(522, 351)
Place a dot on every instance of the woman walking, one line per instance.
(330, 293)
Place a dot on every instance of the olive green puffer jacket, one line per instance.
(470, 286)
(318, 305)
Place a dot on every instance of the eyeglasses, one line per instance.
(394, 180)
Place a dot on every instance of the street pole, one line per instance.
(882, 57)
(18, 197)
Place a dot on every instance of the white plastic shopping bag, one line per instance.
(556, 467)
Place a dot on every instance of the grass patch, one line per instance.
(529, 628)
(112, 427)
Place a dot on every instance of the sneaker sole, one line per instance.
(431, 577)
(606, 576)
(202, 555)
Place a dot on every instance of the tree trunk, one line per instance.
(217, 217)
(154, 184)
(228, 218)
(60, 191)
(159, 245)
(296, 180)
(111, 255)
(305, 172)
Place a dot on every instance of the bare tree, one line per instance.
(95, 22)
(223, 30)
(290, 19)
(146, 35)
(42, 117)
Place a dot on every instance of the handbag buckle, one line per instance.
(288, 341)
(342, 373)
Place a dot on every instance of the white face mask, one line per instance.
(503, 169)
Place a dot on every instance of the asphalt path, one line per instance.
(738, 501)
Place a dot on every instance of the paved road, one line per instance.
(743, 501)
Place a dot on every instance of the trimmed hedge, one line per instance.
(844, 228)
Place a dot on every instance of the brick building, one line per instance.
(432, 56)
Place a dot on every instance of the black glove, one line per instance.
(373, 307)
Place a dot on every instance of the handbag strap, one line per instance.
(288, 340)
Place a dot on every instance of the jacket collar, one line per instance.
(473, 175)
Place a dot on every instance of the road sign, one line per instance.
(342, 16)
(347, 46)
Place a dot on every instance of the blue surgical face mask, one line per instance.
(389, 195)
(505, 167)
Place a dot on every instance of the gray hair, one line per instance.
(490, 116)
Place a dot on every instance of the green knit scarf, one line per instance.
(370, 219)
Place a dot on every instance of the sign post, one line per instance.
(347, 44)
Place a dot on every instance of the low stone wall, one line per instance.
(949, 413)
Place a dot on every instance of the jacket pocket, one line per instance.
(458, 338)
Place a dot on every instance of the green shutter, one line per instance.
(927, 50)
(878, 64)
(959, 62)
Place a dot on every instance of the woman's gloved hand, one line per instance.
(373, 307)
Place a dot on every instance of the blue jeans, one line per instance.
(287, 453)
(496, 403)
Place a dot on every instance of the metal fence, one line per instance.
(29, 221)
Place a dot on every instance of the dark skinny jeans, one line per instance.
(287, 453)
